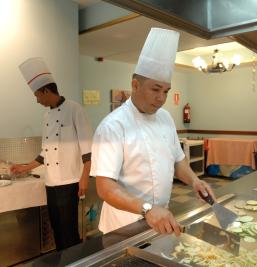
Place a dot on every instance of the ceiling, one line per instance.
(123, 41)
(86, 3)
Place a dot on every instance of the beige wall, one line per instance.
(107, 75)
(219, 101)
(225, 101)
(30, 28)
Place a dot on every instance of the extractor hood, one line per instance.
(208, 19)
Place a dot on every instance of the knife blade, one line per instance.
(214, 235)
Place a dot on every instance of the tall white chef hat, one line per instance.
(36, 73)
(158, 55)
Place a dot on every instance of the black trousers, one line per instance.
(62, 202)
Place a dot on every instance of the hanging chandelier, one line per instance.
(218, 65)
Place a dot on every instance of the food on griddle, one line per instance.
(247, 231)
(240, 212)
(240, 204)
(247, 205)
(251, 202)
(204, 254)
(245, 219)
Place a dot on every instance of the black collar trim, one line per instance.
(60, 102)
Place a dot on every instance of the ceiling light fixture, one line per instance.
(218, 65)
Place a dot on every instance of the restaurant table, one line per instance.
(20, 218)
(232, 151)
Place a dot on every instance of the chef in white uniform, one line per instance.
(66, 152)
(136, 150)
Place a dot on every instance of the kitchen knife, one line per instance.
(224, 216)
(214, 235)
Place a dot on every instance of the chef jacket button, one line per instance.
(46, 150)
(59, 109)
(47, 164)
(47, 124)
(57, 163)
(57, 121)
(61, 125)
(55, 148)
(57, 134)
(47, 137)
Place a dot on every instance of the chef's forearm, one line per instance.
(184, 172)
(115, 195)
(86, 170)
(32, 165)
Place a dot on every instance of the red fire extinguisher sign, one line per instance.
(186, 113)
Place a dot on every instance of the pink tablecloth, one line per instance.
(228, 151)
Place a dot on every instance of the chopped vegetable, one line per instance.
(240, 212)
(245, 219)
(167, 257)
(236, 230)
(251, 202)
(240, 204)
(211, 256)
(249, 207)
(247, 230)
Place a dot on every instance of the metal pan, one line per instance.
(215, 236)
(160, 249)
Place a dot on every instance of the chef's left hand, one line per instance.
(203, 187)
(83, 185)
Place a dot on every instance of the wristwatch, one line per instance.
(146, 207)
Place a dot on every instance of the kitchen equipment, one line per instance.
(214, 235)
(5, 179)
(224, 216)
(5, 182)
(160, 249)
(152, 257)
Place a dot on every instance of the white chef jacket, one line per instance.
(66, 137)
(139, 151)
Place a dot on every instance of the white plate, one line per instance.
(5, 182)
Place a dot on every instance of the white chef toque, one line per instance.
(158, 55)
(36, 73)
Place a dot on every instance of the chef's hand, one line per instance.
(83, 185)
(19, 168)
(162, 221)
(203, 187)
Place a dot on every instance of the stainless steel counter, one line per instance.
(100, 250)
(19, 235)
(24, 193)
(20, 224)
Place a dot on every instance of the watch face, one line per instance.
(147, 206)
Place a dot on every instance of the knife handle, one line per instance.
(208, 198)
